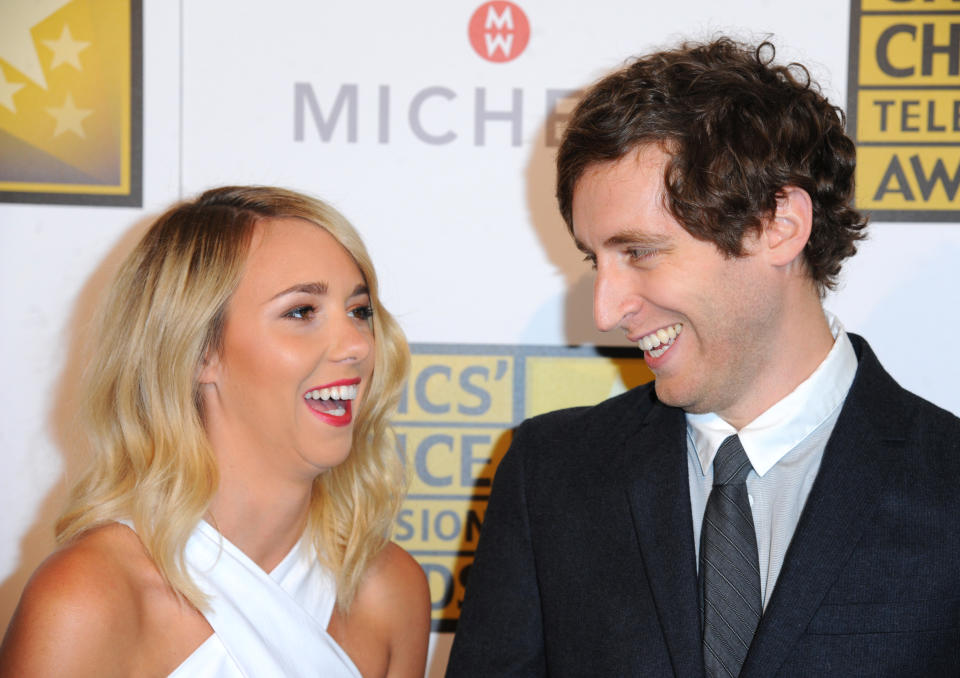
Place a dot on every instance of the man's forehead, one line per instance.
(622, 201)
(651, 158)
(641, 170)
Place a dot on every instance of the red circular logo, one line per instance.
(499, 31)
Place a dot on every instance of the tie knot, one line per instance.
(731, 465)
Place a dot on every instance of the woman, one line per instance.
(237, 406)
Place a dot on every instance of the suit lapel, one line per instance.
(655, 470)
(841, 502)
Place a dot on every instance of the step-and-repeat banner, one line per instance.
(433, 127)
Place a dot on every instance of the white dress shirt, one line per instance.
(785, 445)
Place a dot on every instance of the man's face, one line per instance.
(704, 321)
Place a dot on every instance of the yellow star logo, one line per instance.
(16, 43)
(66, 50)
(69, 117)
(7, 90)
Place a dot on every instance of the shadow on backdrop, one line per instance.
(555, 238)
(38, 540)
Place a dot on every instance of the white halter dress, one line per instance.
(263, 624)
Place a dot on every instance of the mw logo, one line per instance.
(496, 39)
(499, 31)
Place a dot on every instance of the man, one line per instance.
(774, 504)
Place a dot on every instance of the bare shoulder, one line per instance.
(395, 588)
(79, 606)
(388, 627)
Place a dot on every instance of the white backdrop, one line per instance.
(465, 235)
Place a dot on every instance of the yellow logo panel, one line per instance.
(904, 108)
(911, 5)
(456, 422)
(70, 101)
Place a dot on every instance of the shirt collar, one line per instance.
(780, 428)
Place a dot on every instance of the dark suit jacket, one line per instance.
(586, 564)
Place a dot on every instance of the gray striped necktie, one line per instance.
(729, 568)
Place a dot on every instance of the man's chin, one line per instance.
(669, 393)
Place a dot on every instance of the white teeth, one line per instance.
(337, 412)
(662, 337)
(347, 392)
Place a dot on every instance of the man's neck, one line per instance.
(802, 342)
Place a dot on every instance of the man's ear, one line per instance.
(787, 232)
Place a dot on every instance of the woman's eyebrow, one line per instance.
(315, 288)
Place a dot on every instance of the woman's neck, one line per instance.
(263, 522)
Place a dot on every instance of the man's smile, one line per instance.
(657, 343)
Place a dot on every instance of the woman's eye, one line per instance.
(304, 312)
(361, 312)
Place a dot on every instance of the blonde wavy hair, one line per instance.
(151, 459)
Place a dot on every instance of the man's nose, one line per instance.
(613, 297)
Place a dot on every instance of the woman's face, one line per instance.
(296, 357)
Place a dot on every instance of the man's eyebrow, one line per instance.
(633, 237)
(627, 237)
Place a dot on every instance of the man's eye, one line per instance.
(592, 260)
(304, 312)
(361, 312)
(638, 253)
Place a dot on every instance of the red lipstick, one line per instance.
(336, 410)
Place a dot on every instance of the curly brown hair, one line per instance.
(738, 129)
